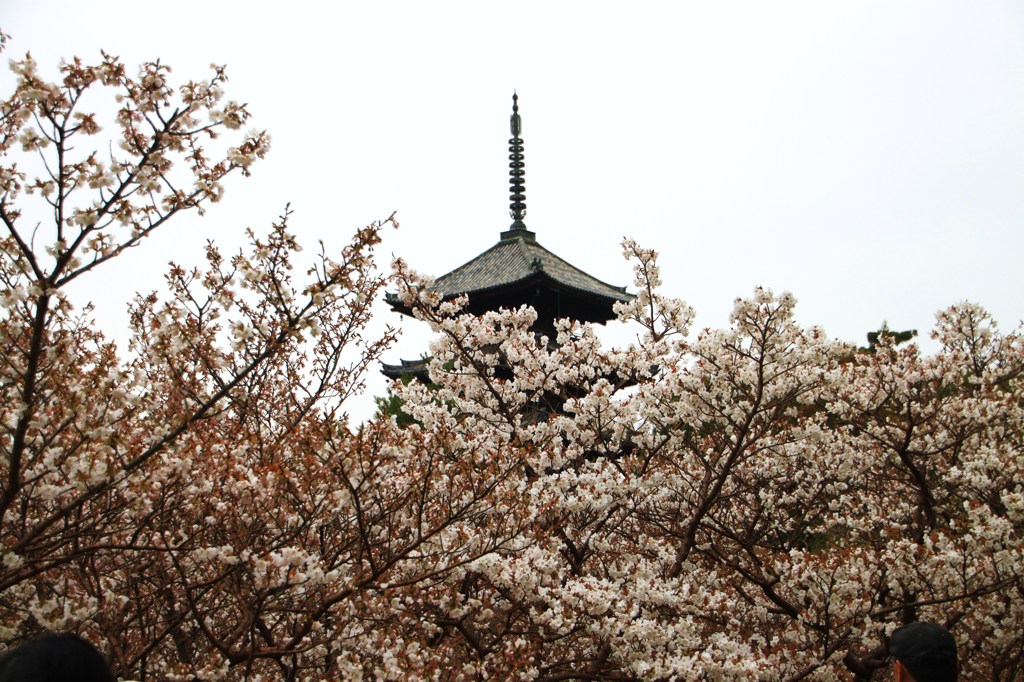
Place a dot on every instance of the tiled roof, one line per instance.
(412, 368)
(515, 258)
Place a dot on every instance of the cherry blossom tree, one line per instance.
(756, 502)
(759, 503)
(77, 431)
(197, 503)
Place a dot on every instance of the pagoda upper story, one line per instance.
(519, 271)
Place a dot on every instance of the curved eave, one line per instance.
(511, 261)
(598, 307)
(513, 265)
(408, 369)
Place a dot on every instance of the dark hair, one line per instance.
(54, 657)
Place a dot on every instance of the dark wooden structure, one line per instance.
(519, 271)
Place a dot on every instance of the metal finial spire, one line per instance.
(517, 174)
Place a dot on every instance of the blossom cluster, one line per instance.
(754, 502)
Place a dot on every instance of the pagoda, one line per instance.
(519, 271)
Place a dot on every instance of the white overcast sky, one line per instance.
(867, 156)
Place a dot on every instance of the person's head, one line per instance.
(924, 652)
(54, 657)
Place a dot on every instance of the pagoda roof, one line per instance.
(517, 270)
(410, 368)
(516, 258)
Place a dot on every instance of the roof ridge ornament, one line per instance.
(516, 165)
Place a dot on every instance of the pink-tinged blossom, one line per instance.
(753, 502)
